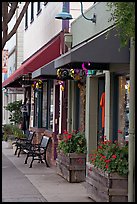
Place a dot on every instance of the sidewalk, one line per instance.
(50, 185)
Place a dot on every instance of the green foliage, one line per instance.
(73, 142)
(17, 132)
(13, 130)
(7, 129)
(111, 157)
(15, 111)
(123, 14)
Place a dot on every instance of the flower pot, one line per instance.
(71, 167)
(105, 187)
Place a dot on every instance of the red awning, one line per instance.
(48, 53)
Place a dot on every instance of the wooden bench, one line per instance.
(38, 151)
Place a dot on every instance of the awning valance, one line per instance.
(47, 71)
(42, 57)
(100, 51)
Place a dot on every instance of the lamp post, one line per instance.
(64, 15)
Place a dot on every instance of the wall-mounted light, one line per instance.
(89, 19)
(64, 15)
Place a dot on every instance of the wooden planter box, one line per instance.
(72, 167)
(105, 187)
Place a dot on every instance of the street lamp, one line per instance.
(64, 15)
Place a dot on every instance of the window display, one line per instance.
(123, 107)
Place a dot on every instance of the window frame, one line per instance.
(32, 12)
(39, 9)
(26, 19)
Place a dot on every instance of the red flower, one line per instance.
(119, 131)
(99, 147)
(65, 132)
(108, 160)
(107, 166)
(69, 136)
(114, 156)
(104, 157)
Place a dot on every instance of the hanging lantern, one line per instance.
(72, 73)
(59, 72)
(64, 74)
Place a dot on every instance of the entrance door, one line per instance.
(57, 110)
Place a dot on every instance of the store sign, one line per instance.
(4, 61)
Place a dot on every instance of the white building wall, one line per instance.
(87, 28)
(45, 26)
(19, 42)
(15, 49)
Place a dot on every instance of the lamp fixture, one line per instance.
(64, 15)
(89, 19)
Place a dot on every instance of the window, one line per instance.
(45, 3)
(47, 105)
(26, 20)
(38, 7)
(51, 108)
(44, 105)
(32, 12)
(36, 109)
(123, 106)
(50, 105)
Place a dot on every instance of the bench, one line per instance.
(38, 151)
(23, 143)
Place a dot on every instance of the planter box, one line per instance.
(105, 187)
(72, 167)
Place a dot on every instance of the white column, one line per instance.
(91, 113)
(60, 114)
(69, 113)
(53, 106)
(107, 105)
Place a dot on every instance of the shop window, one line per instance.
(36, 109)
(44, 105)
(123, 108)
(47, 105)
(50, 106)
(80, 102)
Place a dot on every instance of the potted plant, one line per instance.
(71, 159)
(107, 172)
